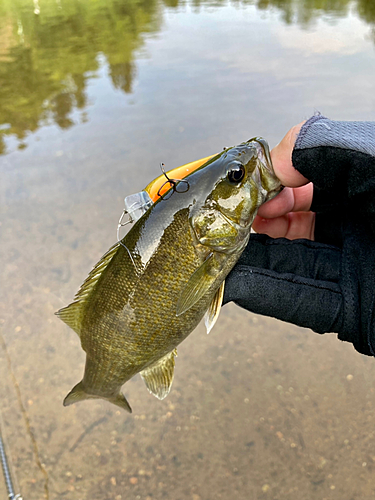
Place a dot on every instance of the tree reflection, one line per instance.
(47, 59)
(48, 54)
(304, 11)
(366, 10)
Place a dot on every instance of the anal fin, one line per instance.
(159, 376)
(214, 309)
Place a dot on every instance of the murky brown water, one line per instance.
(93, 95)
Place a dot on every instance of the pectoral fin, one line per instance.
(213, 311)
(197, 286)
(159, 376)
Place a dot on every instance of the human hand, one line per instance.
(327, 284)
(288, 214)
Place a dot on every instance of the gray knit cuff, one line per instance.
(320, 131)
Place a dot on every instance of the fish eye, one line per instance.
(235, 175)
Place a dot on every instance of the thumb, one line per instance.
(281, 156)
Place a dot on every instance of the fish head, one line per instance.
(237, 182)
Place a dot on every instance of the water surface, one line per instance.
(93, 96)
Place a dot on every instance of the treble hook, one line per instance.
(173, 184)
(122, 224)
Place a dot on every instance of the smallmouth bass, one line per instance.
(152, 288)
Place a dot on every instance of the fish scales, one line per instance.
(151, 290)
(158, 286)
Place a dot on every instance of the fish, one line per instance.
(152, 288)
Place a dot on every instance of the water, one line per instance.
(93, 96)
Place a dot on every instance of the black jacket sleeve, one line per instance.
(339, 158)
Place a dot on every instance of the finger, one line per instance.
(292, 226)
(289, 200)
(303, 197)
(278, 206)
(301, 225)
(281, 156)
(275, 228)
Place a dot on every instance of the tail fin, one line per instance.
(120, 400)
(79, 394)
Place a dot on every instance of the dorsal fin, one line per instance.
(72, 314)
(89, 284)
